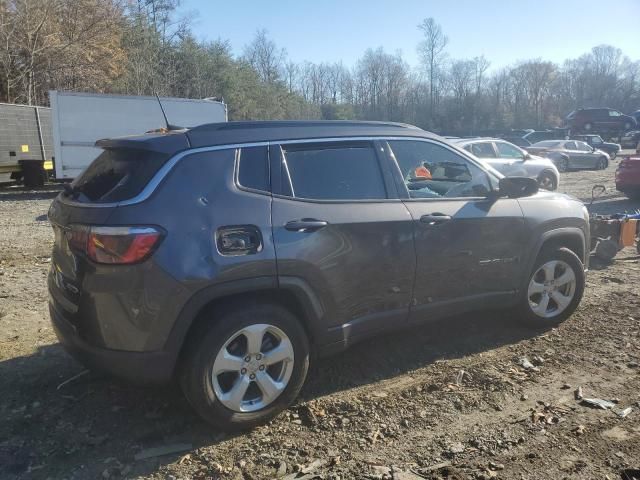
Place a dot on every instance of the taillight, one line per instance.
(114, 245)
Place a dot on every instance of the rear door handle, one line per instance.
(435, 218)
(305, 225)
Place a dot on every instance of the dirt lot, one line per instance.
(452, 400)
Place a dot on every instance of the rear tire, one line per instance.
(209, 386)
(547, 300)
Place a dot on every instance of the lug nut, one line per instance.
(247, 358)
(258, 357)
(261, 367)
(252, 376)
(243, 371)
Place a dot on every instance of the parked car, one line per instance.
(518, 141)
(599, 119)
(512, 161)
(596, 141)
(628, 176)
(226, 254)
(630, 139)
(539, 135)
(571, 154)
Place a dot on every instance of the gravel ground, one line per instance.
(451, 400)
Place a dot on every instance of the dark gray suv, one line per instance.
(230, 254)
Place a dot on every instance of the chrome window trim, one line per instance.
(160, 175)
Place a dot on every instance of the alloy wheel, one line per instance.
(551, 289)
(252, 368)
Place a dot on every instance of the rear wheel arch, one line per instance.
(206, 308)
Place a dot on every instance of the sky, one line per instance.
(504, 31)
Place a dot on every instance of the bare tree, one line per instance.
(431, 50)
(265, 57)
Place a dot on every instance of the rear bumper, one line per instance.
(136, 367)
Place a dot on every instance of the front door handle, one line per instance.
(305, 225)
(435, 218)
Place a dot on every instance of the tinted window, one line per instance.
(570, 146)
(116, 175)
(509, 151)
(430, 170)
(547, 144)
(583, 147)
(483, 150)
(254, 168)
(335, 172)
(613, 113)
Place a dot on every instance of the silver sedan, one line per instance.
(512, 161)
(571, 154)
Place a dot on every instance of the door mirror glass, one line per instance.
(517, 187)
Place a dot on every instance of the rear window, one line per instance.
(117, 175)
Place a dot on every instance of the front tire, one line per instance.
(602, 164)
(554, 289)
(548, 181)
(247, 367)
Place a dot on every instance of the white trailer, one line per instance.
(79, 119)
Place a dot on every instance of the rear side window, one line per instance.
(347, 171)
(483, 150)
(253, 171)
(116, 175)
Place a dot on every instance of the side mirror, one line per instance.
(526, 156)
(517, 187)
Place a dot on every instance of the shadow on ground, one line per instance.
(83, 426)
(15, 193)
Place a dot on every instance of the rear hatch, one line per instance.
(118, 175)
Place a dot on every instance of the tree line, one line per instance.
(143, 47)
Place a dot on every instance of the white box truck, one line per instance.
(79, 119)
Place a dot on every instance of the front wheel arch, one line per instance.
(569, 237)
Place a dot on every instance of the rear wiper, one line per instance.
(70, 191)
